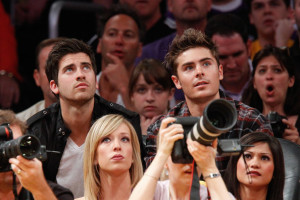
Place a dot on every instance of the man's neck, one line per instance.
(78, 119)
(266, 40)
(151, 20)
(196, 107)
(182, 26)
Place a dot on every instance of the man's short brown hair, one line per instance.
(190, 38)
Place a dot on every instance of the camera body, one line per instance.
(276, 123)
(219, 116)
(27, 146)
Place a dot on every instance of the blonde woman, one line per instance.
(112, 161)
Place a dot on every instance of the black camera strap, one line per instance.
(15, 187)
(195, 186)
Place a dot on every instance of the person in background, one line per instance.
(258, 171)
(119, 44)
(273, 22)
(112, 161)
(151, 91)
(41, 80)
(178, 185)
(9, 75)
(230, 35)
(29, 173)
(274, 89)
(150, 14)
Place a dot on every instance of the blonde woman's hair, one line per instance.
(102, 128)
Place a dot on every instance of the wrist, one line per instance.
(212, 176)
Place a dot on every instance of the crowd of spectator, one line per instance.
(107, 113)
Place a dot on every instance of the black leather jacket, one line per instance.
(49, 127)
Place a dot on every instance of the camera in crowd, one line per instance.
(276, 123)
(27, 146)
(218, 117)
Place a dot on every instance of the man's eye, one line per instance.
(206, 64)
(86, 67)
(69, 69)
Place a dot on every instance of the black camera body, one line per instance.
(27, 146)
(276, 123)
(219, 117)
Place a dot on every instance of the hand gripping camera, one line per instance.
(276, 123)
(27, 146)
(218, 117)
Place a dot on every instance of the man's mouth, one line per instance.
(82, 85)
(201, 83)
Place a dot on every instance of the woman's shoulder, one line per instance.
(82, 198)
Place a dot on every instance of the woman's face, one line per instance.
(272, 81)
(114, 152)
(260, 164)
(150, 100)
(179, 173)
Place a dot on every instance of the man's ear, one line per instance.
(221, 72)
(176, 82)
(36, 76)
(249, 43)
(54, 87)
(98, 50)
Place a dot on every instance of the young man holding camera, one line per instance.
(193, 61)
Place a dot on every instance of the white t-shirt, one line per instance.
(70, 171)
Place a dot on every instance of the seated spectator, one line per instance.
(273, 23)
(178, 185)
(295, 49)
(274, 89)
(112, 161)
(150, 91)
(30, 176)
(9, 86)
(151, 16)
(119, 45)
(41, 80)
(258, 171)
(230, 35)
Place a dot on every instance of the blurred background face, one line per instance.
(179, 173)
(40, 76)
(260, 162)
(145, 8)
(297, 13)
(233, 55)
(121, 39)
(265, 13)
(150, 100)
(271, 81)
(189, 10)
(114, 152)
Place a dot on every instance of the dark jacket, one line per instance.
(49, 127)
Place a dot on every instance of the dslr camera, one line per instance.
(276, 123)
(218, 117)
(27, 146)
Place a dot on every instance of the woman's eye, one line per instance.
(141, 90)
(277, 70)
(265, 158)
(261, 71)
(159, 89)
(125, 139)
(105, 140)
(247, 156)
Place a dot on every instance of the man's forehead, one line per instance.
(71, 58)
(121, 21)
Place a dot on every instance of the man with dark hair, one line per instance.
(193, 60)
(295, 49)
(63, 126)
(149, 12)
(119, 45)
(41, 80)
(273, 23)
(30, 182)
(230, 35)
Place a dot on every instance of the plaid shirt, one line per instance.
(249, 120)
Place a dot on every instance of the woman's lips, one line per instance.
(254, 173)
(117, 157)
